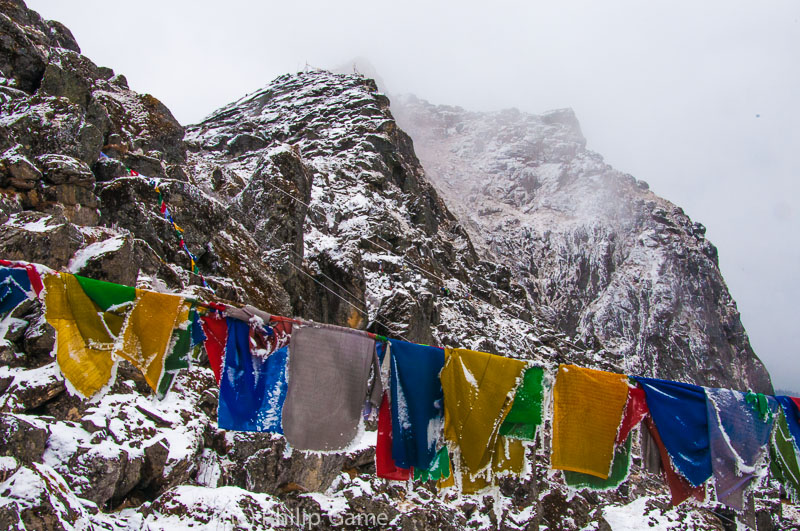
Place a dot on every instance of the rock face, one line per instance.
(599, 255)
(306, 198)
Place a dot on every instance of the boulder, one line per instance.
(70, 75)
(62, 37)
(22, 438)
(20, 59)
(103, 472)
(56, 125)
(107, 169)
(199, 507)
(62, 169)
(76, 203)
(155, 458)
(112, 260)
(32, 388)
(17, 171)
(266, 466)
(38, 498)
(39, 339)
(42, 238)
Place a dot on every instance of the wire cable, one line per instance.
(409, 261)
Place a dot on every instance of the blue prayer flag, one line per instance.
(417, 403)
(679, 411)
(792, 417)
(252, 389)
(15, 287)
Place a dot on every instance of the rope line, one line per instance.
(365, 314)
(296, 254)
(409, 261)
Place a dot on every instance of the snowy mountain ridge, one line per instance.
(598, 254)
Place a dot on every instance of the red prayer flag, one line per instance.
(216, 330)
(635, 411)
(679, 487)
(384, 464)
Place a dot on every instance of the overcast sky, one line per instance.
(700, 99)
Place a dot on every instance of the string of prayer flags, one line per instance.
(679, 412)
(478, 390)
(738, 436)
(526, 412)
(252, 388)
(416, 400)
(587, 412)
(164, 210)
(314, 382)
(328, 375)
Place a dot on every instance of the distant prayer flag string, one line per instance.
(164, 210)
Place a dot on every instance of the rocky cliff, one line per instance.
(599, 255)
(303, 198)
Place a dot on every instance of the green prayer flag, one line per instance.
(440, 468)
(164, 384)
(526, 412)
(758, 401)
(106, 294)
(619, 472)
(784, 459)
(176, 359)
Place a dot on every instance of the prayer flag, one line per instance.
(587, 412)
(252, 388)
(416, 403)
(679, 411)
(328, 375)
(478, 390)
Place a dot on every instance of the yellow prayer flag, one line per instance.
(587, 411)
(83, 343)
(478, 394)
(148, 331)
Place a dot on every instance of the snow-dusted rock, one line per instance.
(599, 255)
